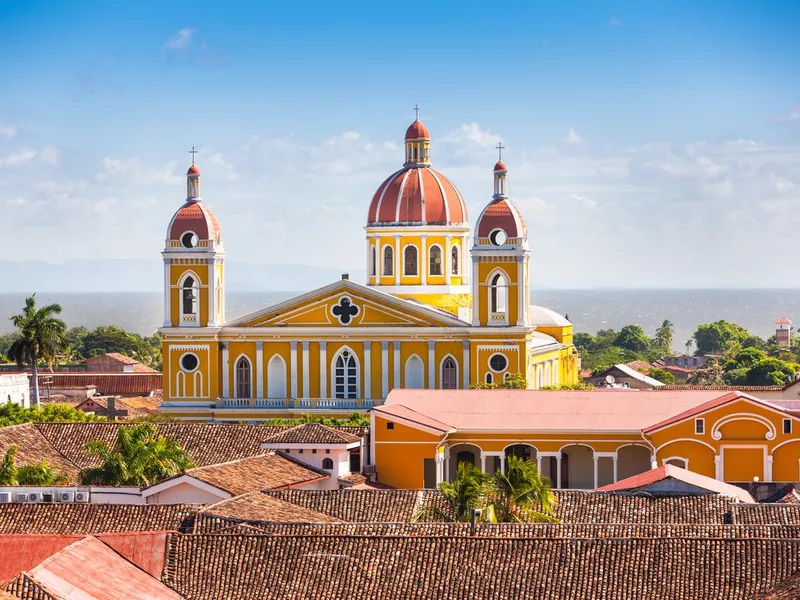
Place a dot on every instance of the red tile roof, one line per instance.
(313, 433)
(672, 472)
(502, 214)
(111, 384)
(417, 131)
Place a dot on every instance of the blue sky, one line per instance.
(638, 133)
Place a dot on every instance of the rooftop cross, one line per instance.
(499, 150)
(416, 110)
(193, 152)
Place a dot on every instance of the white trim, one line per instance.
(196, 289)
(685, 460)
(489, 362)
(323, 369)
(285, 378)
(722, 421)
(422, 194)
(293, 369)
(259, 369)
(400, 195)
(306, 366)
(367, 369)
(241, 356)
(384, 368)
(426, 289)
(577, 444)
(226, 370)
(396, 348)
(411, 245)
(695, 440)
(766, 465)
(336, 355)
(386, 185)
(185, 478)
(383, 261)
(442, 257)
(342, 446)
(405, 372)
(465, 352)
(441, 371)
(373, 256)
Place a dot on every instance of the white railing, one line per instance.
(498, 318)
(179, 244)
(299, 403)
(189, 319)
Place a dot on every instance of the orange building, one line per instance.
(582, 440)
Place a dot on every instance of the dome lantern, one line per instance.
(418, 144)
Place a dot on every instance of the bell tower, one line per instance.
(194, 262)
(500, 260)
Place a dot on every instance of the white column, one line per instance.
(212, 318)
(521, 310)
(768, 467)
(306, 374)
(396, 344)
(558, 471)
(431, 365)
(483, 462)
(259, 369)
(596, 460)
(293, 370)
(448, 259)
(465, 365)
(476, 294)
(653, 462)
(718, 467)
(539, 463)
(503, 464)
(423, 263)
(439, 468)
(385, 369)
(225, 369)
(369, 261)
(323, 369)
(367, 394)
(167, 295)
(464, 255)
(398, 260)
(615, 467)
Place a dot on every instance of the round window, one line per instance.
(498, 362)
(189, 239)
(189, 362)
(498, 237)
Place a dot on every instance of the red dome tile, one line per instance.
(196, 217)
(417, 130)
(501, 214)
(193, 170)
(417, 195)
(500, 166)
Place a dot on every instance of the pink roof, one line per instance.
(23, 552)
(540, 410)
(89, 569)
(689, 477)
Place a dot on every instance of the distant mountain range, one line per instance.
(145, 275)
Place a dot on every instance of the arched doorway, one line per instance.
(276, 377)
(415, 373)
(577, 467)
(459, 453)
(523, 451)
(633, 460)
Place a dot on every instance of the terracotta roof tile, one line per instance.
(266, 472)
(85, 519)
(122, 384)
(763, 514)
(313, 433)
(33, 446)
(338, 567)
(256, 507)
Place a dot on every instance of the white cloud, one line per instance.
(793, 116)
(583, 201)
(7, 131)
(16, 201)
(19, 158)
(573, 137)
(221, 166)
(474, 133)
(133, 171)
(50, 155)
(180, 40)
(615, 22)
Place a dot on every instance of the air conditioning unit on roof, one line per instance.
(48, 497)
(20, 497)
(82, 496)
(34, 497)
(66, 496)
(5, 497)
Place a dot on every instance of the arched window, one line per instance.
(327, 464)
(345, 375)
(435, 261)
(388, 261)
(449, 377)
(243, 387)
(410, 260)
(498, 291)
(415, 373)
(189, 297)
(372, 261)
(276, 377)
(454, 264)
(488, 379)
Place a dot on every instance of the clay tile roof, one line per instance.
(257, 506)
(123, 384)
(783, 321)
(193, 170)
(265, 472)
(33, 447)
(789, 589)
(500, 166)
(357, 505)
(312, 433)
(501, 214)
(338, 567)
(194, 216)
(764, 514)
(84, 519)
(417, 130)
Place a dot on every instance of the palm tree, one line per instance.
(461, 496)
(40, 336)
(39, 474)
(521, 494)
(664, 335)
(140, 457)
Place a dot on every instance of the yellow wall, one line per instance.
(401, 453)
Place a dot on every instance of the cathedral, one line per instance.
(440, 309)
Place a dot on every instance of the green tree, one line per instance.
(718, 337)
(770, 371)
(512, 381)
(40, 474)
(8, 468)
(140, 457)
(664, 336)
(709, 374)
(632, 337)
(583, 342)
(744, 358)
(463, 495)
(41, 337)
(110, 338)
(14, 414)
(662, 375)
(521, 494)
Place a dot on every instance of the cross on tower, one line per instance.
(416, 110)
(193, 152)
(499, 150)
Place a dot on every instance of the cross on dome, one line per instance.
(500, 148)
(193, 152)
(416, 111)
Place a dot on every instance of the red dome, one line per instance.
(501, 214)
(196, 217)
(417, 195)
(193, 170)
(500, 166)
(417, 131)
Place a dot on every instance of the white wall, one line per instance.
(341, 460)
(15, 388)
(186, 493)
(97, 495)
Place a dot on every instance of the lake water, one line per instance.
(589, 310)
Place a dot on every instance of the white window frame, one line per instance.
(417, 274)
(441, 371)
(457, 263)
(334, 358)
(236, 374)
(702, 423)
(442, 261)
(383, 260)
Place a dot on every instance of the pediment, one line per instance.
(347, 304)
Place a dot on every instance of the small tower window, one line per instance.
(498, 291)
(454, 267)
(372, 261)
(787, 426)
(189, 362)
(436, 260)
(189, 239)
(489, 379)
(388, 261)
(410, 260)
(189, 292)
(327, 464)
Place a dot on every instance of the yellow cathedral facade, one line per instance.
(440, 309)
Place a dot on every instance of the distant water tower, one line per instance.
(783, 332)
